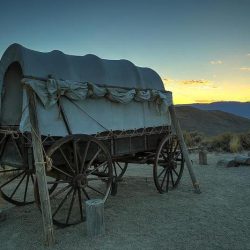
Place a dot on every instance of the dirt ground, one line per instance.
(141, 218)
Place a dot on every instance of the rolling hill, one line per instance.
(210, 122)
(236, 108)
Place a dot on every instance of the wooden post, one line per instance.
(202, 157)
(184, 149)
(40, 170)
(95, 217)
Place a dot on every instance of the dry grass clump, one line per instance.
(235, 144)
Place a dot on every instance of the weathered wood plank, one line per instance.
(95, 217)
(184, 149)
(40, 171)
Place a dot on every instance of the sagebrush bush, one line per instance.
(193, 138)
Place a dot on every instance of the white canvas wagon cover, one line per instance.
(95, 94)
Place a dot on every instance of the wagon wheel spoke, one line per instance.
(18, 185)
(97, 179)
(66, 160)
(18, 189)
(57, 182)
(94, 189)
(8, 170)
(164, 169)
(71, 205)
(80, 203)
(119, 169)
(60, 191)
(166, 172)
(165, 158)
(62, 202)
(61, 171)
(175, 148)
(175, 173)
(84, 156)
(32, 178)
(86, 194)
(26, 188)
(75, 156)
(94, 170)
(94, 157)
(119, 165)
(7, 182)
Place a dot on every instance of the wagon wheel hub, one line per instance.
(172, 164)
(80, 180)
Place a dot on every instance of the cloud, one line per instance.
(195, 82)
(216, 62)
(199, 83)
(167, 80)
(248, 54)
(245, 69)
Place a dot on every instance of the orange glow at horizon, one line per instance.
(185, 92)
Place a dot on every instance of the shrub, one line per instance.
(228, 142)
(193, 139)
(235, 144)
(245, 141)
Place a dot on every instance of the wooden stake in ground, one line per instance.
(202, 157)
(40, 171)
(95, 217)
(184, 149)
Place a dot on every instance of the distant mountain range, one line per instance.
(236, 108)
(210, 122)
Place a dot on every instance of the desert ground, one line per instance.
(138, 217)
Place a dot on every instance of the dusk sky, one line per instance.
(201, 49)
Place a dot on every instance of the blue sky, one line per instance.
(189, 43)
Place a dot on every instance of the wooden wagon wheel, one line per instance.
(82, 169)
(168, 165)
(17, 187)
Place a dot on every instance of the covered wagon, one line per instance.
(88, 119)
